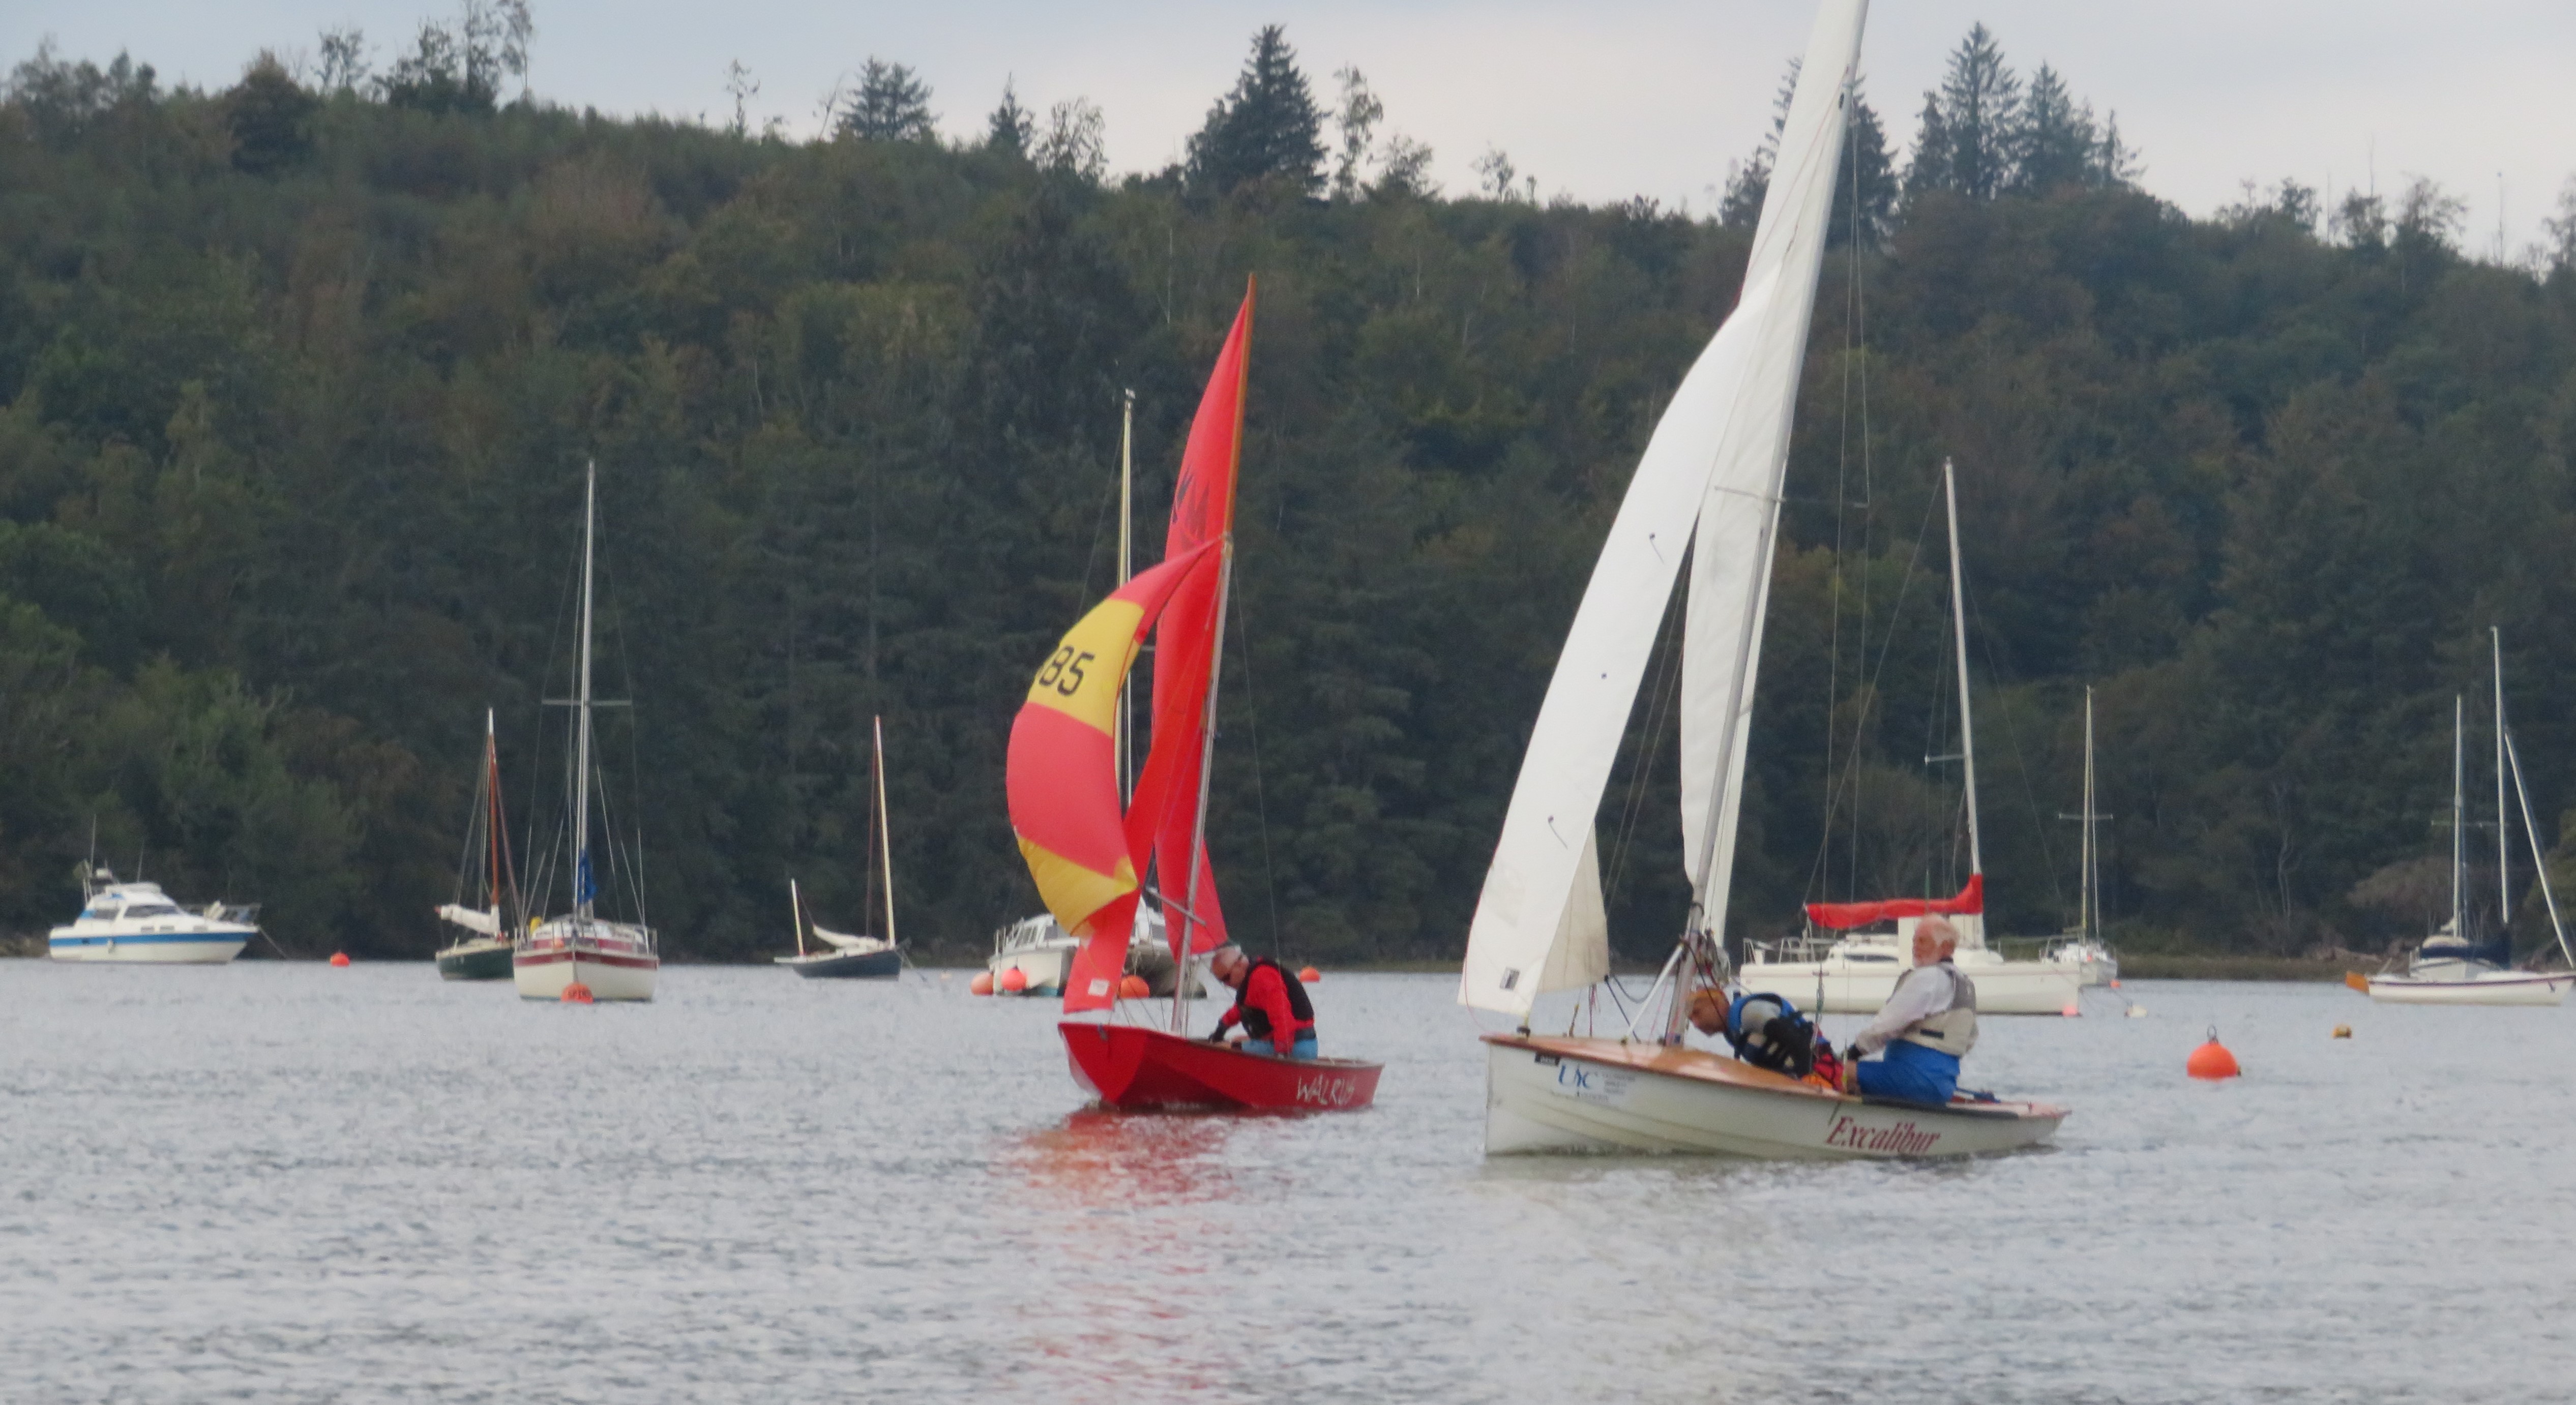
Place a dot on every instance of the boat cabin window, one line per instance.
(103, 912)
(1869, 956)
(152, 910)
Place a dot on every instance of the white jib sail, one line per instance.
(1731, 558)
(1548, 827)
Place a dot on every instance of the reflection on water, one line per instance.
(288, 1183)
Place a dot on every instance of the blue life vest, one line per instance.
(1767, 1031)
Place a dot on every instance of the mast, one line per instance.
(2459, 812)
(1126, 568)
(2090, 919)
(885, 836)
(585, 885)
(1959, 634)
(492, 822)
(1207, 770)
(2504, 837)
(796, 913)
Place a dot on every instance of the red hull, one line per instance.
(1132, 1067)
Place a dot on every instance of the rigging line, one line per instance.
(634, 753)
(1868, 498)
(1661, 698)
(1842, 483)
(1260, 801)
(2012, 735)
(1868, 688)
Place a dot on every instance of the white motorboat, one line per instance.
(608, 960)
(1042, 952)
(2451, 967)
(1710, 481)
(138, 923)
(1854, 973)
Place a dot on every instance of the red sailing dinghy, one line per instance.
(1088, 858)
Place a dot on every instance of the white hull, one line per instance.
(1547, 1095)
(193, 949)
(2494, 988)
(1842, 985)
(1045, 967)
(614, 960)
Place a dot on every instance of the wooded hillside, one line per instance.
(299, 379)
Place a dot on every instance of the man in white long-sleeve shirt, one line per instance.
(1928, 1024)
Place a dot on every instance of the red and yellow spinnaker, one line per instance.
(1163, 817)
(1062, 774)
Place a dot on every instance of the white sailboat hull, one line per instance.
(1548, 1095)
(1840, 984)
(2488, 988)
(614, 961)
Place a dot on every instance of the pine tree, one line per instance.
(1970, 148)
(892, 104)
(1267, 128)
(1867, 172)
(1011, 127)
(2056, 144)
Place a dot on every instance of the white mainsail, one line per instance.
(473, 919)
(1715, 460)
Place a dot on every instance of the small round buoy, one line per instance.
(1133, 988)
(2343, 1031)
(1014, 981)
(576, 994)
(339, 958)
(2115, 985)
(1308, 975)
(982, 984)
(2211, 1060)
(2072, 1010)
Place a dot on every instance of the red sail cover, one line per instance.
(1166, 804)
(1843, 916)
(1062, 776)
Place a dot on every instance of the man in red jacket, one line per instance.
(1269, 1004)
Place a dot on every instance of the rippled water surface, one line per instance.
(294, 1183)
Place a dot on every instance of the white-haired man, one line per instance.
(1928, 1024)
(1269, 1003)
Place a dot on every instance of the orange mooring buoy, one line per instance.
(2211, 1060)
(576, 994)
(1133, 988)
(339, 958)
(1308, 975)
(982, 984)
(2072, 1009)
(1014, 981)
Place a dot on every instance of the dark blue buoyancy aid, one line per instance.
(1767, 1031)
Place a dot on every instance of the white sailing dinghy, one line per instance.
(1710, 481)
(1849, 962)
(2449, 968)
(582, 954)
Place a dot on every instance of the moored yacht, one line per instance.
(605, 960)
(1042, 952)
(137, 922)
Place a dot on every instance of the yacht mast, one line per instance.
(585, 885)
(885, 836)
(1959, 634)
(2459, 812)
(1126, 569)
(2504, 836)
(2090, 919)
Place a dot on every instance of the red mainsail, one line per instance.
(1843, 916)
(1165, 809)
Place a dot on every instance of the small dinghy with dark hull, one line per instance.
(839, 955)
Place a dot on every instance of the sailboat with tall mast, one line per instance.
(581, 955)
(2452, 967)
(2083, 947)
(1711, 479)
(483, 952)
(1850, 958)
(841, 955)
(1090, 844)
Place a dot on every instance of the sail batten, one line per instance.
(1715, 454)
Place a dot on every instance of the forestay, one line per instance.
(1722, 441)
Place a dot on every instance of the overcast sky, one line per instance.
(1601, 100)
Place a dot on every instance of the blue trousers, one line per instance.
(1299, 1049)
(1911, 1072)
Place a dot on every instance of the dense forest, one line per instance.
(298, 380)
